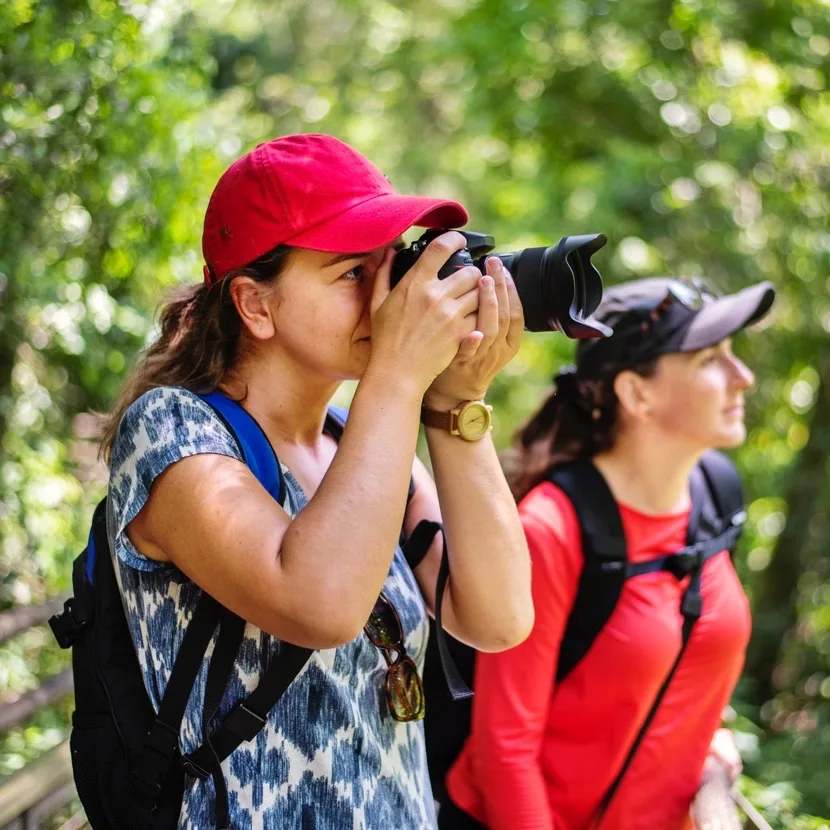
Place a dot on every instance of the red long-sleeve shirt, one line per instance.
(540, 755)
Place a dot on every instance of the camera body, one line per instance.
(478, 245)
(558, 286)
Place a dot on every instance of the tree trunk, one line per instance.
(9, 341)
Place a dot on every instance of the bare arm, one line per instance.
(487, 602)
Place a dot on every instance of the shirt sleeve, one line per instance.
(161, 427)
(513, 689)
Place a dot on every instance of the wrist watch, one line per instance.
(471, 420)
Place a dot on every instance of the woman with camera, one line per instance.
(608, 715)
(299, 238)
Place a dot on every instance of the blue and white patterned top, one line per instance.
(330, 757)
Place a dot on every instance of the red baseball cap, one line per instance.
(309, 191)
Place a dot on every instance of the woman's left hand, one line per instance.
(724, 751)
(486, 351)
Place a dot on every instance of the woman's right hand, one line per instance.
(419, 327)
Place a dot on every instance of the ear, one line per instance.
(634, 394)
(251, 300)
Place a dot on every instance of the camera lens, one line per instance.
(559, 287)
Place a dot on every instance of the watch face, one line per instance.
(474, 421)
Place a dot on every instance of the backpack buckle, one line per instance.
(192, 768)
(160, 748)
(738, 518)
(244, 723)
(162, 740)
(68, 624)
(682, 564)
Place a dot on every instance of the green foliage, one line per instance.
(779, 804)
(99, 176)
(694, 133)
(107, 154)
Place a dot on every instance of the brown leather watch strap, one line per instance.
(440, 420)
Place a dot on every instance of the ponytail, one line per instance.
(198, 344)
(577, 420)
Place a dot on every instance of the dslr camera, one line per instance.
(558, 286)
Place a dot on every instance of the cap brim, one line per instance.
(724, 317)
(378, 222)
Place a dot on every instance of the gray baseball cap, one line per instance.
(661, 315)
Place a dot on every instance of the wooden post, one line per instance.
(25, 788)
(19, 619)
(53, 689)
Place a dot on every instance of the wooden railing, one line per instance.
(44, 786)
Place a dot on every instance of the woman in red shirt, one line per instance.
(644, 405)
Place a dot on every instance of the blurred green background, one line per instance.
(694, 133)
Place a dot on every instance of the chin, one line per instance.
(729, 438)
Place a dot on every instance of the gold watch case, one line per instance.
(473, 420)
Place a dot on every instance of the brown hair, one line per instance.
(199, 343)
(577, 420)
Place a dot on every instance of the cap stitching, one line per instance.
(274, 189)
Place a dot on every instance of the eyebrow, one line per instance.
(345, 258)
(398, 245)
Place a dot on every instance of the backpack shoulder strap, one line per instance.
(605, 552)
(261, 459)
(714, 524)
(717, 500)
(162, 740)
(725, 486)
(253, 443)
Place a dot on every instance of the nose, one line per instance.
(743, 376)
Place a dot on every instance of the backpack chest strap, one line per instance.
(684, 562)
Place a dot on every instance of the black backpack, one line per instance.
(127, 765)
(715, 524)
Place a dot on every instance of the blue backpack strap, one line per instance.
(253, 443)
